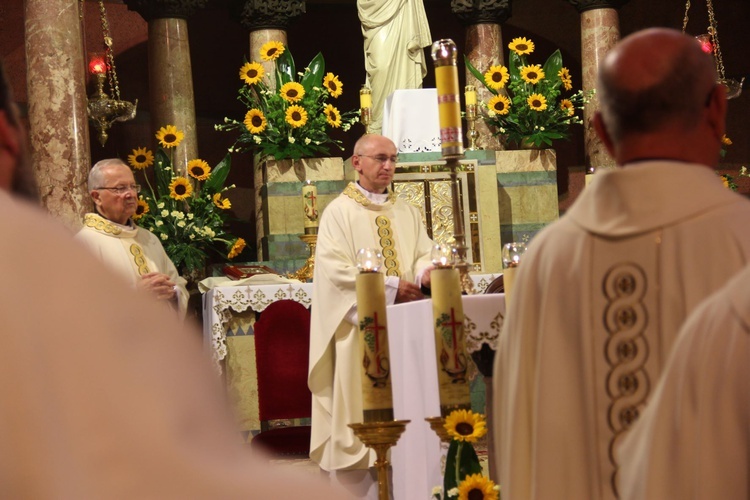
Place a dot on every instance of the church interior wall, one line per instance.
(219, 45)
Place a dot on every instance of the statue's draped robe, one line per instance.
(349, 223)
(598, 301)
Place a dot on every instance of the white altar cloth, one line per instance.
(410, 120)
(416, 457)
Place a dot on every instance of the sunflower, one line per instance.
(238, 246)
(180, 188)
(333, 84)
(537, 102)
(141, 209)
(532, 73)
(169, 136)
(141, 158)
(255, 121)
(252, 72)
(565, 78)
(296, 116)
(477, 487)
(465, 425)
(271, 50)
(499, 104)
(222, 203)
(198, 169)
(521, 46)
(567, 105)
(496, 77)
(333, 115)
(292, 91)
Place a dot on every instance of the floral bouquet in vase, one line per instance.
(188, 214)
(529, 106)
(294, 120)
(463, 478)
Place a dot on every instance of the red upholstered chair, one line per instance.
(282, 342)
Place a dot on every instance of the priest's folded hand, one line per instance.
(408, 292)
(159, 284)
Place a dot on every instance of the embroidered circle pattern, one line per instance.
(387, 244)
(139, 259)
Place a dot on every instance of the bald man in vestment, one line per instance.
(602, 293)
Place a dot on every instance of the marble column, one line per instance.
(267, 21)
(484, 48)
(170, 75)
(600, 31)
(59, 131)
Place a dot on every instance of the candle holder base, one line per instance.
(380, 436)
(305, 273)
(437, 424)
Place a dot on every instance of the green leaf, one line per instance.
(461, 456)
(163, 173)
(479, 76)
(218, 175)
(314, 77)
(514, 65)
(285, 70)
(552, 66)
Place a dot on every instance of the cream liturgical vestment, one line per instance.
(598, 302)
(105, 394)
(693, 440)
(349, 223)
(130, 250)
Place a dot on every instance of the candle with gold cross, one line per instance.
(377, 396)
(310, 206)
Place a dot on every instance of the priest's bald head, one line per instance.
(659, 99)
(15, 171)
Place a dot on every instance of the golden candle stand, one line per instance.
(305, 273)
(467, 286)
(380, 436)
(437, 424)
(365, 118)
(471, 134)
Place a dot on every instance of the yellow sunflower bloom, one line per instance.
(499, 104)
(198, 169)
(496, 77)
(238, 247)
(565, 78)
(271, 50)
(180, 188)
(222, 203)
(477, 487)
(141, 158)
(169, 136)
(141, 209)
(567, 105)
(292, 91)
(255, 121)
(251, 73)
(724, 181)
(333, 116)
(532, 73)
(521, 46)
(296, 116)
(333, 84)
(537, 102)
(465, 425)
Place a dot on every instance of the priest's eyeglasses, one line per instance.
(120, 190)
(383, 158)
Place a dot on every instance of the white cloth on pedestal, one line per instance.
(410, 120)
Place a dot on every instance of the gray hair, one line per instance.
(96, 175)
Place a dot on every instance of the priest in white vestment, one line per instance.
(602, 293)
(693, 440)
(366, 215)
(134, 252)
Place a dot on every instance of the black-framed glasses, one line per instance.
(120, 190)
(383, 158)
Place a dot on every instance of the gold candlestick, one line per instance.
(305, 273)
(437, 424)
(380, 436)
(472, 134)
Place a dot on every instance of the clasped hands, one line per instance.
(408, 292)
(158, 284)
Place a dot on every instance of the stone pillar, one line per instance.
(56, 77)
(267, 20)
(600, 31)
(484, 48)
(170, 71)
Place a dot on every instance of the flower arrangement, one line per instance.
(527, 104)
(463, 473)
(188, 217)
(293, 121)
(727, 179)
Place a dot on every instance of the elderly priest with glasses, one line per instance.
(113, 237)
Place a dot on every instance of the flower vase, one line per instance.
(528, 144)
